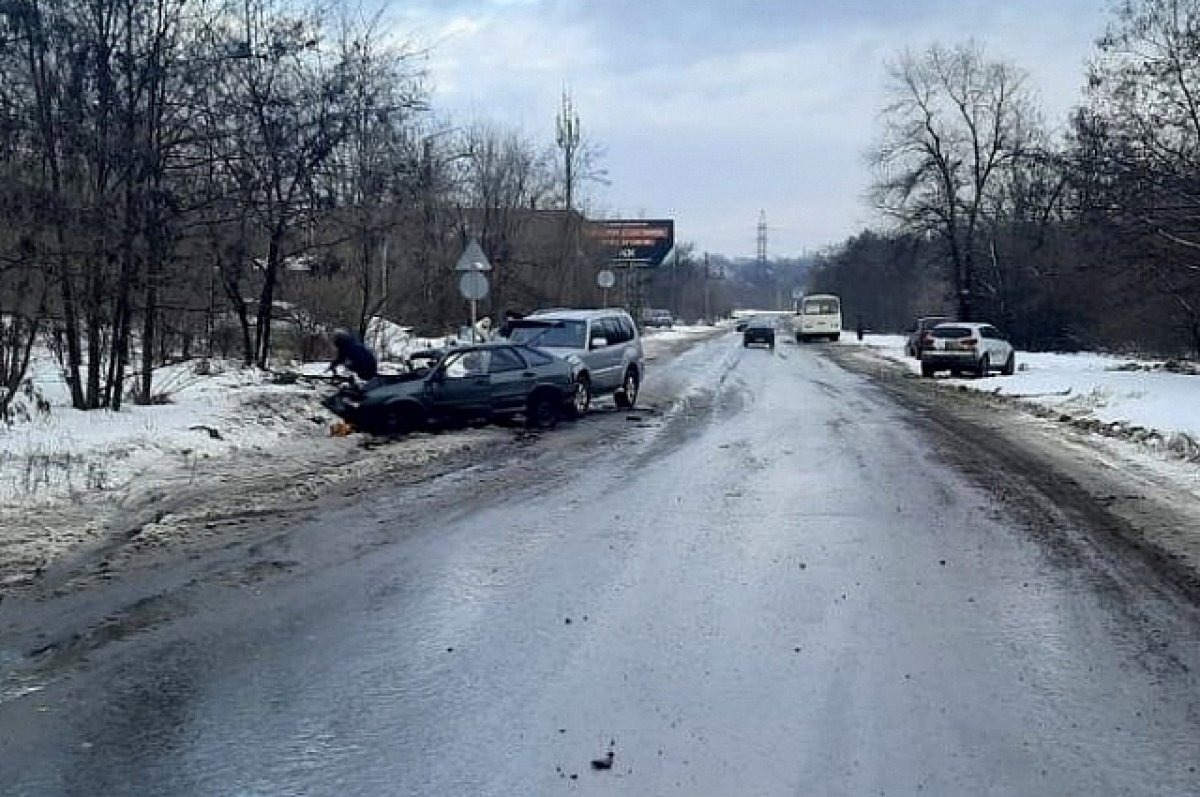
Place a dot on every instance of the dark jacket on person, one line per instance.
(352, 353)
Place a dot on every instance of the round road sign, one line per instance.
(473, 285)
(606, 279)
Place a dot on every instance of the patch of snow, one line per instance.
(1137, 398)
(655, 339)
(60, 455)
(393, 342)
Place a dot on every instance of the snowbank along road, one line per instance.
(786, 577)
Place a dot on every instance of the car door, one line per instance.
(1003, 347)
(461, 386)
(511, 379)
(606, 358)
(994, 345)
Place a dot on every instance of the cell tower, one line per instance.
(567, 127)
(762, 238)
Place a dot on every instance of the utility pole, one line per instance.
(706, 316)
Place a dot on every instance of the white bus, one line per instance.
(819, 315)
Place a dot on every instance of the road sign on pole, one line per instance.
(605, 279)
(472, 258)
(473, 285)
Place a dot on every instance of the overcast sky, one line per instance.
(708, 112)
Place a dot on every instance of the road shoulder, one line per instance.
(1091, 486)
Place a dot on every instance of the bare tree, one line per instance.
(955, 121)
(372, 173)
(502, 179)
(279, 115)
(1143, 125)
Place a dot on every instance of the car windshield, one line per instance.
(952, 333)
(560, 334)
(820, 307)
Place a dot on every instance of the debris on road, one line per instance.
(604, 763)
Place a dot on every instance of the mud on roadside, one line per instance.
(69, 546)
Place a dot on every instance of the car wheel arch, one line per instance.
(402, 415)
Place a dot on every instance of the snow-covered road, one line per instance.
(779, 587)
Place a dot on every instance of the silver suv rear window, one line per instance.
(550, 334)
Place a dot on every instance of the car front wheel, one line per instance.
(581, 398)
(542, 412)
(626, 397)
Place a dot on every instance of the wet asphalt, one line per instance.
(775, 584)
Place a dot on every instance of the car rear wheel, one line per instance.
(1010, 365)
(985, 365)
(542, 412)
(581, 399)
(927, 370)
(626, 397)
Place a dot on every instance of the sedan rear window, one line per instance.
(952, 333)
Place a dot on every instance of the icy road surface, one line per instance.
(776, 588)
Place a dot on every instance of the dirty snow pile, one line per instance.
(211, 408)
(653, 339)
(1146, 401)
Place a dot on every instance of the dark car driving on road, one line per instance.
(482, 382)
(759, 331)
(920, 337)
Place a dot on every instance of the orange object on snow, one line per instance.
(341, 429)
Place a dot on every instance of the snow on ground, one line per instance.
(1138, 399)
(211, 409)
(654, 340)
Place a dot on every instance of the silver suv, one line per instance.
(605, 343)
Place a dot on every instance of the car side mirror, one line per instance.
(599, 343)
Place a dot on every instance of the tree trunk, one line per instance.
(70, 312)
(266, 301)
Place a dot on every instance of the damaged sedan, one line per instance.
(484, 382)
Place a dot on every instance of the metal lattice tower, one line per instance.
(762, 238)
(568, 141)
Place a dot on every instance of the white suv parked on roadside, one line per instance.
(959, 346)
(605, 343)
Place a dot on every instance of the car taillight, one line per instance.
(968, 343)
(926, 338)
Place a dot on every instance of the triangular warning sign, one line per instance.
(473, 258)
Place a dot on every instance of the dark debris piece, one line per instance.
(603, 763)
